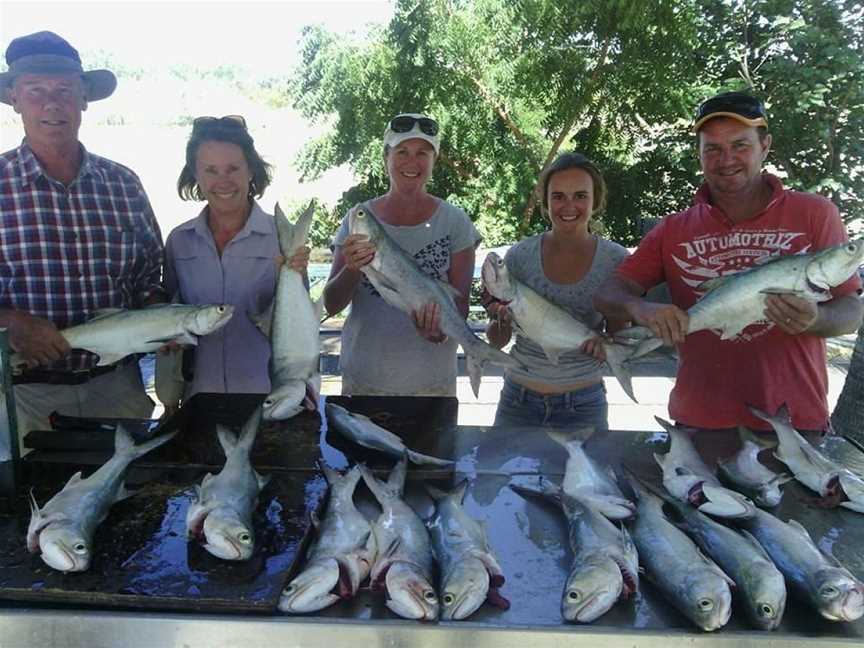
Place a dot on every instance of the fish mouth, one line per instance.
(408, 594)
(462, 606)
(316, 588)
(60, 559)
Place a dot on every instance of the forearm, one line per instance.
(340, 289)
(837, 317)
(499, 334)
(618, 299)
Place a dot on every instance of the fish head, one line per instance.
(227, 537)
(464, 589)
(592, 588)
(832, 266)
(64, 547)
(496, 277)
(838, 595)
(769, 496)
(208, 319)
(286, 401)
(765, 593)
(409, 593)
(362, 222)
(315, 588)
(706, 599)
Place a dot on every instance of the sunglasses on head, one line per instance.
(740, 104)
(232, 121)
(405, 123)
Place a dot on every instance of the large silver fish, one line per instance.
(403, 564)
(363, 431)
(688, 479)
(693, 583)
(547, 324)
(758, 582)
(470, 573)
(733, 302)
(222, 511)
(585, 480)
(399, 281)
(342, 555)
(835, 483)
(294, 321)
(814, 575)
(746, 474)
(605, 564)
(115, 333)
(63, 528)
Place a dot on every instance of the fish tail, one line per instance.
(475, 374)
(293, 236)
(418, 458)
(617, 357)
(570, 439)
(246, 438)
(152, 444)
(379, 489)
(745, 434)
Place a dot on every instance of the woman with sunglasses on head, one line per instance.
(228, 254)
(384, 350)
(563, 265)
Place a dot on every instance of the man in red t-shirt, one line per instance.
(739, 215)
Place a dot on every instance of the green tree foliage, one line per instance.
(515, 82)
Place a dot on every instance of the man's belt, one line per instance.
(57, 377)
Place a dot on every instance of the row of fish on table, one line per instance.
(696, 559)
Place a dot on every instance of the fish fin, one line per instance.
(396, 479)
(780, 479)
(74, 479)
(732, 330)
(123, 441)
(262, 480)
(435, 493)
(716, 569)
(292, 236)
(712, 284)
(122, 493)
(726, 503)
(749, 536)
(106, 359)
(227, 439)
(204, 482)
(554, 355)
(418, 458)
(570, 439)
(795, 524)
(142, 449)
(545, 489)
(246, 438)
(332, 476)
(475, 374)
(781, 291)
(616, 358)
(263, 321)
(745, 434)
(388, 291)
(36, 524)
(666, 425)
(104, 312)
(379, 489)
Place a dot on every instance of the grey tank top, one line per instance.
(525, 263)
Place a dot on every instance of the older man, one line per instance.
(739, 215)
(77, 235)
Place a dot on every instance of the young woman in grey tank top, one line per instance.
(564, 265)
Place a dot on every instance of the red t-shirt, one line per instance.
(762, 366)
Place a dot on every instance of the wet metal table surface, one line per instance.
(529, 537)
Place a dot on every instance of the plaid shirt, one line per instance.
(66, 252)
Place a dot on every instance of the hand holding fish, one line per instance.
(667, 321)
(358, 251)
(36, 340)
(792, 314)
(594, 347)
(299, 261)
(427, 321)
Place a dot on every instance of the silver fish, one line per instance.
(759, 583)
(585, 480)
(115, 333)
(549, 325)
(837, 485)
(693, 583)
(814, 575)
(470, 573)
(399, 281)
(403, 564)
(342, 555)
(688, 479)
(744, 472)
(292, 324)
(363, 431)
(605, 566)
(63, 528)
(222, 511)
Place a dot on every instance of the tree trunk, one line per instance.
(848, 416)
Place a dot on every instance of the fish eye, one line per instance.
(574, 595)
(430, 596)
(851, 247)
(448, 599)
(80, 548)
(829, 591)
(766, 610)
(706, 604)
(290, 589)
(245, 537)
(268, 402)
(220, 309)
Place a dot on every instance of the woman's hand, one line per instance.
(427, 321)
(299, 261)
(357, 251)
(594, 347)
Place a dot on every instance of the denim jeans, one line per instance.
(518, 406)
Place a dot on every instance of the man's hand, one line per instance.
(667, 321)
(357, 251)
(427, 320)
(36, 339)
(794, 315)
(299, 261)
(594, 347)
